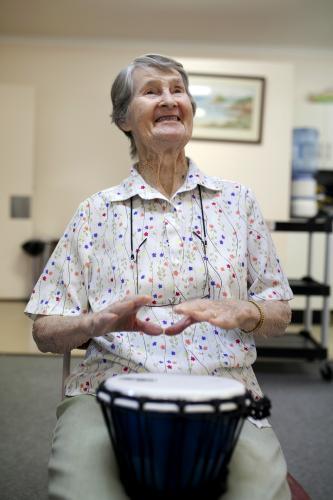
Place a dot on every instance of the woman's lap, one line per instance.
(82, 465)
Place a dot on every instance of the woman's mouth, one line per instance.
(167, 118)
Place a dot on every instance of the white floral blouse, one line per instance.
(130, 239)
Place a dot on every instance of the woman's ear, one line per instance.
(124, 125)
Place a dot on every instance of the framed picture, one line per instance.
(229, 108)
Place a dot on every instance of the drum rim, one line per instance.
(165, 387)
(236, 404)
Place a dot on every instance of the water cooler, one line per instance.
(304, 170)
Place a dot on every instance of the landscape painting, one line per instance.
(229, 108)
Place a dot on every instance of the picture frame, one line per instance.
(230, 108)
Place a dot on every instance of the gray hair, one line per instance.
(122, 88)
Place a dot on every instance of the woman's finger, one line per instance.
(130, 305)
(179, 327)
(148, 327)
(210, 315)
(192, 305)
(199, 315)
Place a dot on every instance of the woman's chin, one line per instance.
(175, 137)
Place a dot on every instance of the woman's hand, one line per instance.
(227, 314)
(122, 316)
(60, 334)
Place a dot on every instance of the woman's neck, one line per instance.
(166, 173)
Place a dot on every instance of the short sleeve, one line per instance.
(62, 288)
(266, 280)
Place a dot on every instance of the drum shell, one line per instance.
(182, 454)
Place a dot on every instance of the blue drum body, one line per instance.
(178, 454)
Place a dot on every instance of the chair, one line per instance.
(66, 368)
(297, 492)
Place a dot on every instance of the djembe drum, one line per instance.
(173, 435)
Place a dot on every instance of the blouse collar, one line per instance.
(134, 185)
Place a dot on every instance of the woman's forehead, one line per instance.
(143, 76)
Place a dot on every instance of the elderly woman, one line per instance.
(171, 271)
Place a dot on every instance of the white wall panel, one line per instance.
(16, 178)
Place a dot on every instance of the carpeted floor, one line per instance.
(302, 416)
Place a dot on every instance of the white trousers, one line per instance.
(82, 465)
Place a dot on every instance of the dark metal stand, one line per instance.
(303, 345)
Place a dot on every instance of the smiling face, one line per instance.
(160, 115)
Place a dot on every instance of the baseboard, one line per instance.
(15, 299)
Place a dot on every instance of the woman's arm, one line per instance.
(59, 334)
(276, 318)
(230, 314)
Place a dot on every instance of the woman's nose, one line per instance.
(168, 100)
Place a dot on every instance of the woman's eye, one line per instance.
(150, 92)
(178, 90)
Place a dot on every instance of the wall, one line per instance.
(315, 77)
(313, 74)
(78, 152)
(74, 139)
(16, 179)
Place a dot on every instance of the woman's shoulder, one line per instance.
(227, 186)
(105, 197)
(218, 183)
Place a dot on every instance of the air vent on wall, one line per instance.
(20, 207)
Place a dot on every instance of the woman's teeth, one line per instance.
(167, 118)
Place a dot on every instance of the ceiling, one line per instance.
(272, 23)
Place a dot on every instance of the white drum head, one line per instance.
(191, 388)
